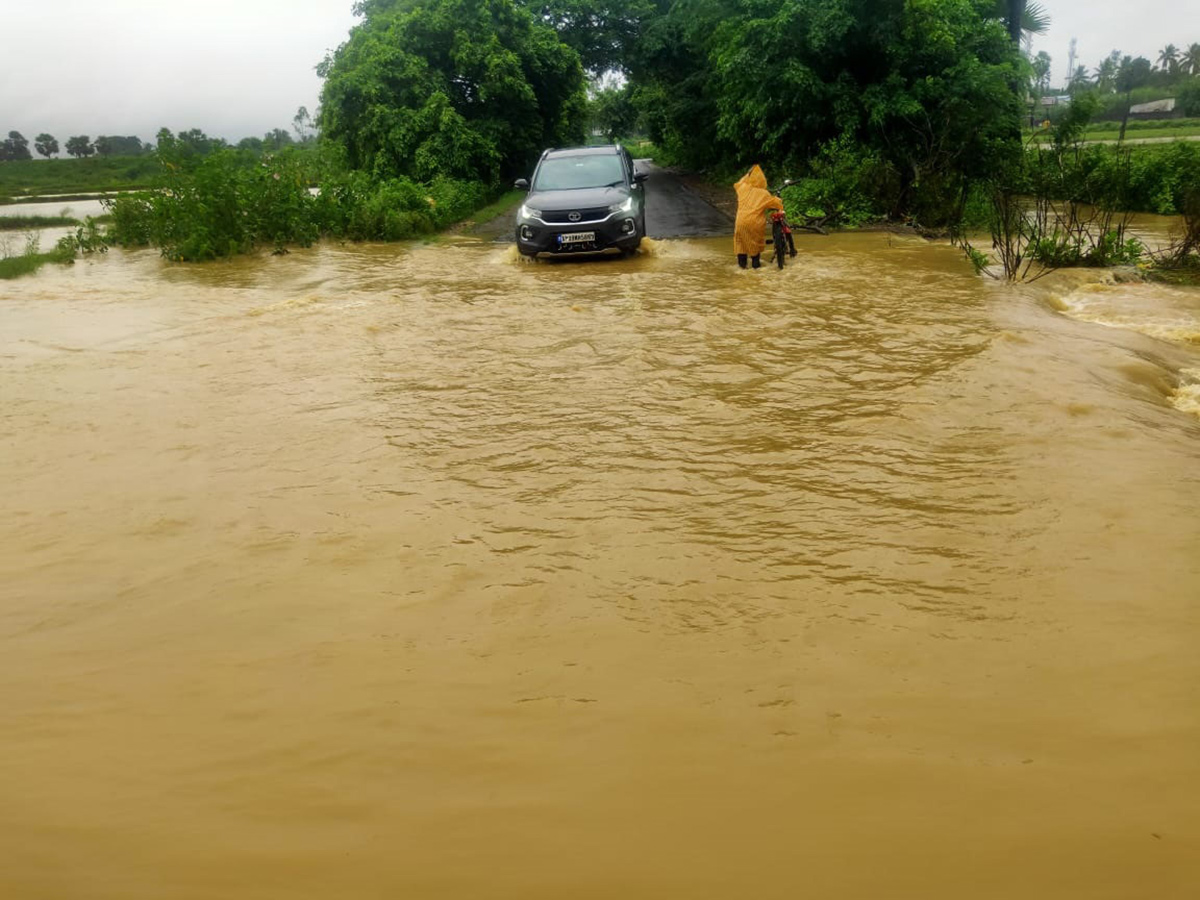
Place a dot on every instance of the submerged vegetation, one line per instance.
(1070, 202)
(24, 223)
(29, 257)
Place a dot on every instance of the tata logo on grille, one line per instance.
(574, 217)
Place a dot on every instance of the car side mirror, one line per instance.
(639, 177)
(521, 184)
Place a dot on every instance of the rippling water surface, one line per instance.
(421, 571)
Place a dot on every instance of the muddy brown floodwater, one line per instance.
(426, 572)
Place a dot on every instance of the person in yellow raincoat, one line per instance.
(749, 229)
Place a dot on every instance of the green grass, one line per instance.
(1140, 128)
(498, 207)
(1106, 135)
(1138, 135)
(39, 177)
(28, 263)
(23, 223)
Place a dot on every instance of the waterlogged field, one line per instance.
(423, 571)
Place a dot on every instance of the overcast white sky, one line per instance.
(1135, 27)
(232, 68)
(235, 68)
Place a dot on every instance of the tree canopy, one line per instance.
(46, 145)
(16, 146)
(461, 88)
(922, 94)
(80, 146)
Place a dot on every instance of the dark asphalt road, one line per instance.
(672, 210)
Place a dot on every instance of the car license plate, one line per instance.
(577, 237)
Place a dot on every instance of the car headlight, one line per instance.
(528, 212)
(627, 206)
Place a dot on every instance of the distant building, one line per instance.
(1157, 109)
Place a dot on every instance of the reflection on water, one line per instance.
(427, 571)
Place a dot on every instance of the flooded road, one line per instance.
(422, 571)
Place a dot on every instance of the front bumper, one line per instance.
(616, 234)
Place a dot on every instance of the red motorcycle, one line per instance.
(781, 231)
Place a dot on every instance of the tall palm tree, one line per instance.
(1106, 73)
(1168, 59)
(1190, 62)
(1079, 80)
(1023, 18)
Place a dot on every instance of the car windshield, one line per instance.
(564, 173)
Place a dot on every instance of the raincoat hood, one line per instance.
(752, 179)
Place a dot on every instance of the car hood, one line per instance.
(581, 198)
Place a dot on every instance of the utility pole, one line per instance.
(1071, 63)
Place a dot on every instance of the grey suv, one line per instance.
(583, 201)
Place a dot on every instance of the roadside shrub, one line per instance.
(1151, 178)
(1188, 96)
(220, 205)
(848, 185)
(355, 206)
(1061, 250)
(233, 201)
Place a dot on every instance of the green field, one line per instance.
(41, 177)
(1135, 130)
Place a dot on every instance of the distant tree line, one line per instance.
(1175, 73)
(16, 146)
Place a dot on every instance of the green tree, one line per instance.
(15, 147)
(111, 145)
(1190, 61)
(613, 112)
(1022, 18)
(276, 139)
(1106, 72)
(80, 146)
(200, 143)
(600, 31)
(927, 89)
(472, 89)
(1168, 59)
(46, 145)
(1041, 71)
(1080, 80)
(1188, 97)
(302, 122)
(676, 87)
(1131, 73)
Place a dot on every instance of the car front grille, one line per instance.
(563, 217)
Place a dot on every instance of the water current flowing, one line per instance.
(422, 571)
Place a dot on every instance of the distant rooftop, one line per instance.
(1157, 106)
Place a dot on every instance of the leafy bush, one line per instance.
(848, 185)
(219, 205)
(30, 257)
(233, 201)
(1188, 97)
(1148, 178)
(1061, 250)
